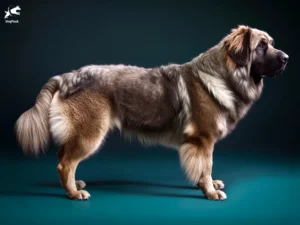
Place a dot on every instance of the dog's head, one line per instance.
(253, 48)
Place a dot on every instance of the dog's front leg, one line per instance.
(196, 159)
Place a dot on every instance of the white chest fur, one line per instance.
(222, 126)
(218, 88)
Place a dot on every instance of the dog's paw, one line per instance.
(79, 195)
(218, 184)
(216, 195)
(80, 184)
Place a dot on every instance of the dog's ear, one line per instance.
(237, 45)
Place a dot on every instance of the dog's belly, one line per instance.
(151, 124)
(167, 139)
(152, 117)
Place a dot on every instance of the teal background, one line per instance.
(130, 184)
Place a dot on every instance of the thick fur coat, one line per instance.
(188, 106)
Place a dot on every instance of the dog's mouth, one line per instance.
(278, 72)
(282, 69)
(273, 74)
(258, 72)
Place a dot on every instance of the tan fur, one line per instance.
(189, 129)
(90, 115)
(209, 122)
(236, 38)
(257, 35)
(211, 101)
(200, 136)
(61, 126)
(229, 63)
(218, 184)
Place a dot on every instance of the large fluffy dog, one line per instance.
(189, 106)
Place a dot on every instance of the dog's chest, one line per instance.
(226, 125)
(222, 126)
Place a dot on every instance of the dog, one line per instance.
(188, 106)
(11, 12)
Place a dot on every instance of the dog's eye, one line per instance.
(262, 45)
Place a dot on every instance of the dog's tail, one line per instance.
(32, 128)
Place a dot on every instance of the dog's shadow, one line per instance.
(137, 188)
(17, 193)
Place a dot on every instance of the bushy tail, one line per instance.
(32, 127)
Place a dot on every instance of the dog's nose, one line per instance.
(284, 58)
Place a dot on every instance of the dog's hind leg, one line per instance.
(68, 163)
(90, 117)
(70, 156)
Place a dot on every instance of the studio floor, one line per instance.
(147, 186)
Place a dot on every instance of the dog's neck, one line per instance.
(227, 85)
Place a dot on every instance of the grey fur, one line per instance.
(154, 103)
(33, 125)
(189, 106)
